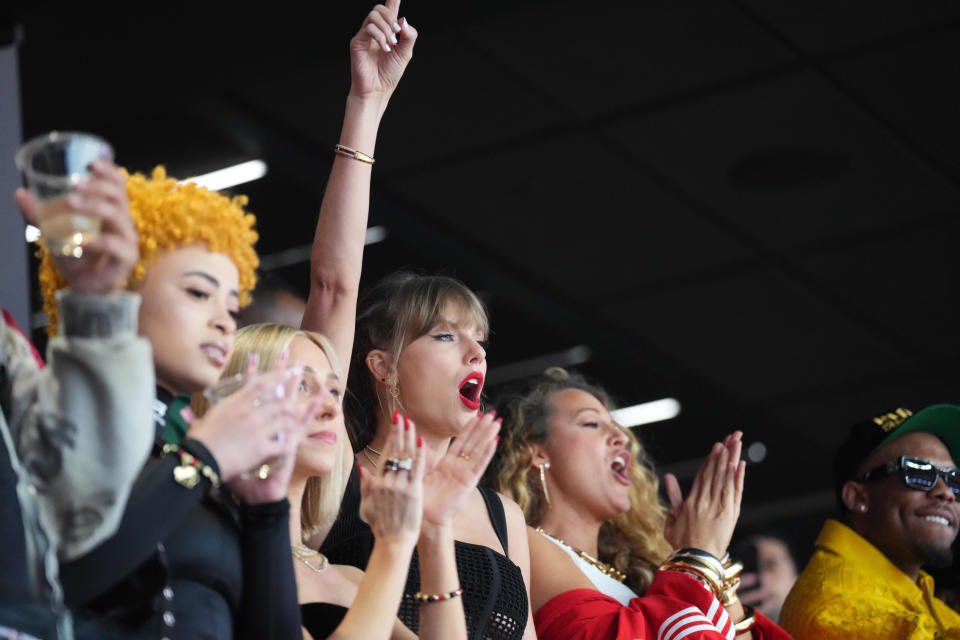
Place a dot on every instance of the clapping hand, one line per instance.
(459, 470)
(391, 496)
(261, 424)
(706, 519)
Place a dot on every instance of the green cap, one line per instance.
(942, 420)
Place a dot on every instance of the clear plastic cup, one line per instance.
(53, 165)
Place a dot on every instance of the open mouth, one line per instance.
(619, 466)
(216, 353)
(470, 390)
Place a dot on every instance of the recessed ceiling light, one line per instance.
(230, 176)
(648, 412)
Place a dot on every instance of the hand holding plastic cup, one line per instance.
(309, 389)
(53, 165)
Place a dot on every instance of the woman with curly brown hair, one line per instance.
(599, 537)
(202, 549)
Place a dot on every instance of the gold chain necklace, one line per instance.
(302, 554)
(603, 567)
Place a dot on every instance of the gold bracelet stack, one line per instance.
(437, 597)
(349, 152)
(731, 580)
(188, 473)
(703, 566)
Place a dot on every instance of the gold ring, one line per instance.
(264, 471)
(464, 456)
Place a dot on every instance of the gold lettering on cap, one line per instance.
(890, 421)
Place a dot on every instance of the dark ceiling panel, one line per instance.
(821, 26)
(589, 224)
(905, 281)
(911, 85)
(597, 59)
(790, 162)
(757, 335)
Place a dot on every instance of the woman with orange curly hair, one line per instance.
(203, 548)
(599, 538)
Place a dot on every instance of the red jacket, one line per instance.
(675, 607)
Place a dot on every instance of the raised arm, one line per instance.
(379, 53)
(90, 409)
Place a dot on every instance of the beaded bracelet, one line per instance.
(187, 473)
(437, 597)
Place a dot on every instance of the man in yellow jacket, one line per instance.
(897, 486)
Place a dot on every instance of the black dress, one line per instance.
(494, 594)
(321, 618)
(187, 564)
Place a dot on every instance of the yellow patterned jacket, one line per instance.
(851, 590)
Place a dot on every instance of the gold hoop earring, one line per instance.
(543, 480)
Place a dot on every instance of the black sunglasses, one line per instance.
(917, 473)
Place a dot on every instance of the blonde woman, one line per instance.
(340, 601)
(599, 537)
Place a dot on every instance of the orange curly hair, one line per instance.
(169, 216)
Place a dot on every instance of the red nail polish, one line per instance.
(406, 423)
(493, 413)
(359, 469)
(396, 416)
(419, 441)
(498, 438)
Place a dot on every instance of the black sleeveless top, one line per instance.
(321, 618)
(494, 594)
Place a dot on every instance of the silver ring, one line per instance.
(263, 472)
(406, 464)
(391, 465)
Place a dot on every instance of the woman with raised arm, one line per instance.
(600, 542)
(418, 350)
(392, 502)
(202, 548)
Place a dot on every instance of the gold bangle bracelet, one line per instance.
(749, 619)
(708, 581)
(349, 152)
(703, 556)
(707, 569)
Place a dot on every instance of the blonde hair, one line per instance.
(397, 310)
(169, 216)
(633, 541)
(323, 494)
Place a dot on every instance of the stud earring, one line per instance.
(543, 480)
(863, 508)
